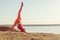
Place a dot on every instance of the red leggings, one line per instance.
(20, 27)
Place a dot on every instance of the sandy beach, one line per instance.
(28, 36)
(17, 35)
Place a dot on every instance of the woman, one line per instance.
(18, 21)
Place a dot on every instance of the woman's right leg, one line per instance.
(20, 27)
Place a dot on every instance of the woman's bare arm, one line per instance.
(12, 27)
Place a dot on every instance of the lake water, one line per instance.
(45, 29)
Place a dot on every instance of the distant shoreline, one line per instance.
(34, 25)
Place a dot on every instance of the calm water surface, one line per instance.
(45, 29)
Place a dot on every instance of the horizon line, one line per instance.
(33, 25)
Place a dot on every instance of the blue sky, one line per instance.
(34, 11)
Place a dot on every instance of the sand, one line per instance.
(17, 35)
(28, 36)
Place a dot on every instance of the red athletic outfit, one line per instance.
(18, 21)
(21, 28)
